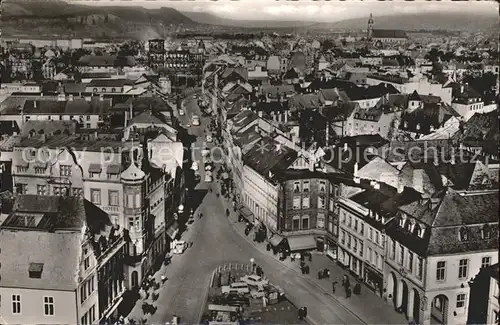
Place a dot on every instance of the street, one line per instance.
(216, 242)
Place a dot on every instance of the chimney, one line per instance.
(260, 114)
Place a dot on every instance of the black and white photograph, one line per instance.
(249, 162)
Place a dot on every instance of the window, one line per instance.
(296, 187)
(420, 267)
(113, 198)
(296, 223)
(138, 200)
(296, 203)
(461, 300)
(410, 261)
(440, 270)
(65, 170)
(130, 222)
(342, 237)
(393, 250)
(355, 245)
(84, 320)
(463, 268)
(349, 241)
(485, 261)
(103, 90)
(86, 263)
(305, 222)
(305, 203)
(332, 205)
(495, 312)
(377, 239)
(22, 188)
(16, 304)
(95, 196)
(88, 125)
(94, 90)
(350, 221)
(48, 306)
(370, 255)
(361, 230)
(320, 221)
(113, 90)
(370, 233)
(322, 186)
(361, 248)
(356, 225)
(321, 202)
(464, 234)
(92, 314)
(22, 169)
(39, 170)
(41, 189)
(401, 254)
(305, 187)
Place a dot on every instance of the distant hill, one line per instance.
(428, 21)
(56, 17)
(211, 19)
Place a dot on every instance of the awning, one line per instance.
(95, 168)
(113, 169)
(246, 213)
(300, 243)
(172, 230)
(275, 240)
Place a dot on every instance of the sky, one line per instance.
(305, 10)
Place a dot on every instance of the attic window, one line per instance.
(402, 222)
(35, 270)
(464, 234)
(486, 232)
(420, 231)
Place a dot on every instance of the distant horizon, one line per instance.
(305, 11)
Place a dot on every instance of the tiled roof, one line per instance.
(446, 215)
(48, 127)
(59, 252)
(269, 156)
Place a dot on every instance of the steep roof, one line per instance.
(445, 216)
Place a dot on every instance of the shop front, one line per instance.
(331, 249)
(373, 279)
(302, 243)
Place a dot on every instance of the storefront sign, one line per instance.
(111, 208)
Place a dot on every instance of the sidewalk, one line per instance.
(369, 307)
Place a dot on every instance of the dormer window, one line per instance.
(402, 222)
(486, 232)
(35, 270)
(464, 234)
(420, 231)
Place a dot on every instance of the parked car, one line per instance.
(209, 138)
(208, 177)
(258, 292)
(181, 112)
(205, 152)
(195, 166)
(239, 287)
(254, 281)
(235, 300)
(208, 167)
(195, 120)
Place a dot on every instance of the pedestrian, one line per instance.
(292, 257)
(320, 275)
(334, 284)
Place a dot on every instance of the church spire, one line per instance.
(370, 27)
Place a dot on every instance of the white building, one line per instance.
(435, 246)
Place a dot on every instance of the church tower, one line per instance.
(370, 27)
